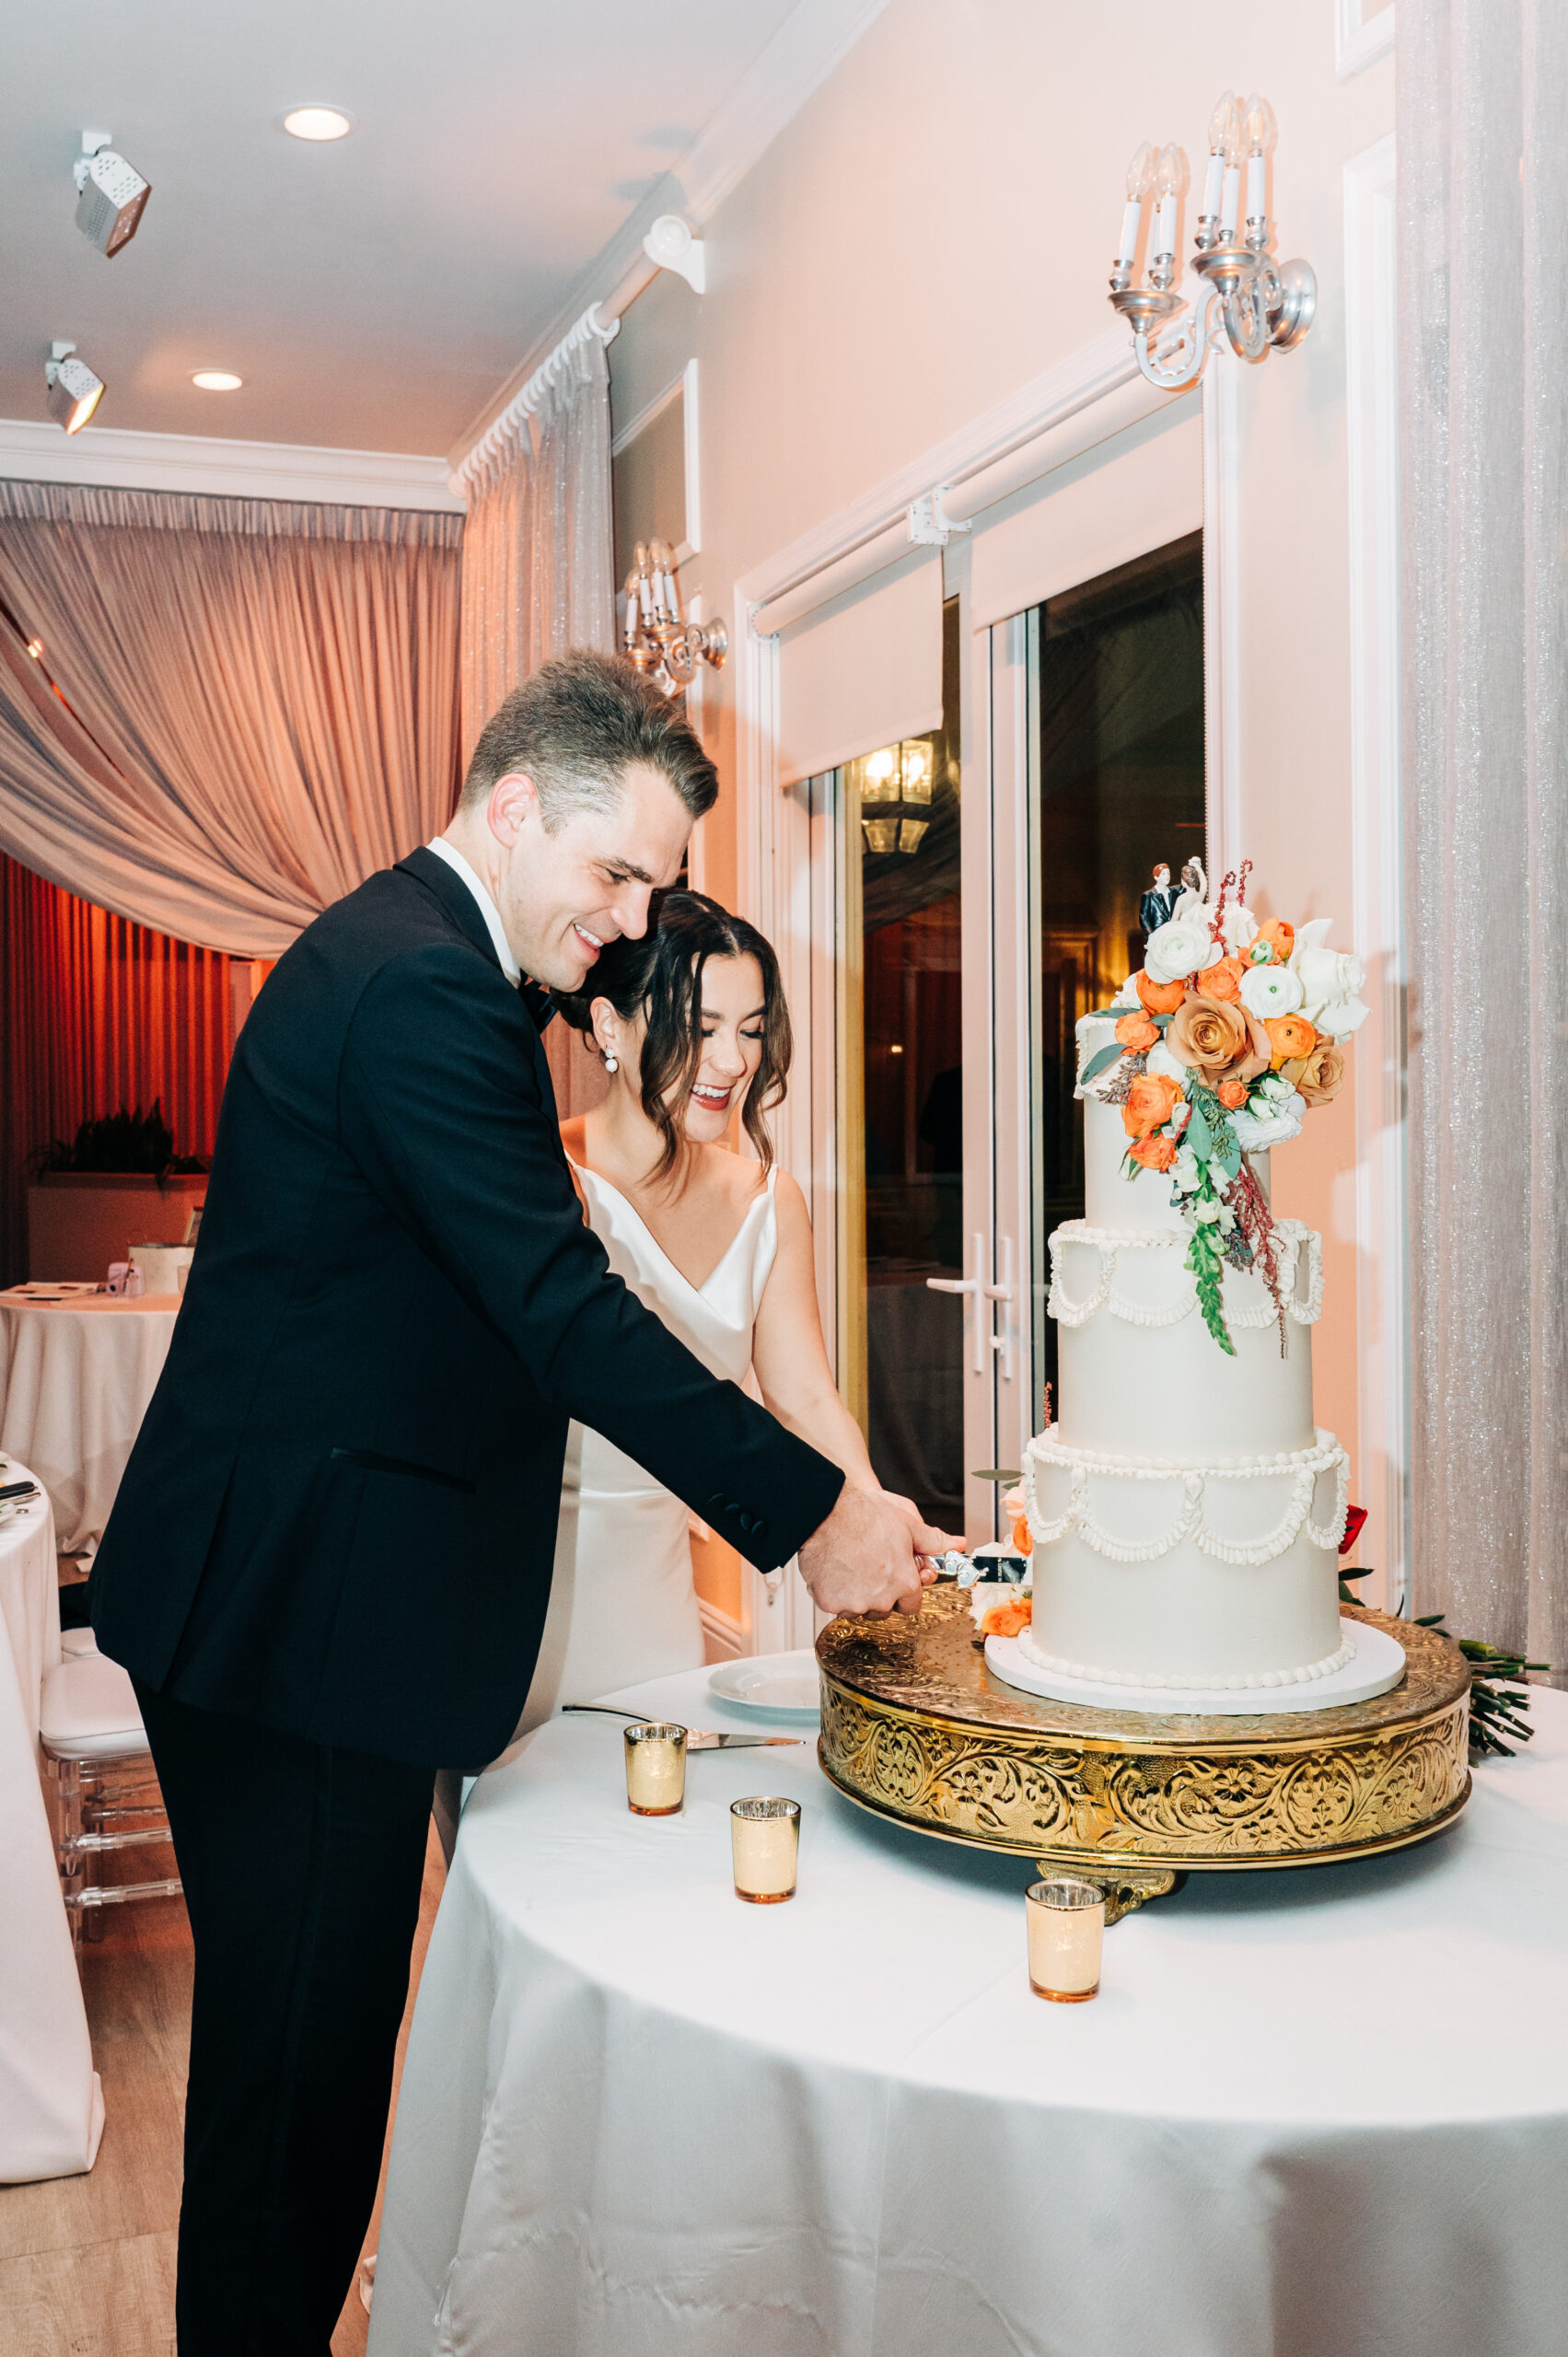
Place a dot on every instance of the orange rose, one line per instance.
(1135, 1031)
(1023, 1537)
(1150, 1101)
(1319, 1074)
(1210, 1037)
(1279, 934)
(1232, 1094)
(1007, 1620)
(1159, 998)
(1289, 1036)
(1261, 1055)
(1223, 981)
(1155, 1152)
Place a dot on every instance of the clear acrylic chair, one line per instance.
(93, 1738)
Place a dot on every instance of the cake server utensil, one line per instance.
(697, 1739)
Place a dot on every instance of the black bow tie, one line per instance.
(538, 1000)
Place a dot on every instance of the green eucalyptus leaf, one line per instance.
(1101, 1061)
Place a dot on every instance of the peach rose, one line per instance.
(1317, 1075)
(1023, 1537)
(1232, 1094)
(1209, 1036)
(1155, 1152)
(1223, 981)
(1159, 998)
(1289, 1036)
(1279, 934)
(1150, 1101)
(1135, 1031)
(1007, 1620)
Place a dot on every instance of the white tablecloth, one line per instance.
(51, 2105)
(75, 1378)
(1320, 2114)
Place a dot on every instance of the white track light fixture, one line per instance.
(74, 391)
(111, 194)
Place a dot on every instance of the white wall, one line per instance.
(933, 229)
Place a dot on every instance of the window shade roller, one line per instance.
(863, 672)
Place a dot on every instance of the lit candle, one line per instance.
(1230, 203)
(764, 1836)
(1225, 138)
(1169, 181)
(1261, 135)
(1066, 1926)
(656, 1767)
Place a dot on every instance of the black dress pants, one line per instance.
(302, 1865)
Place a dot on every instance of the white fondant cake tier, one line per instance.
(1152, 1570)
(1137, 1361)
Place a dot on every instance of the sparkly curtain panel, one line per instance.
(539, 569)
(96, 1012)
(1482, 94)
(240, 709)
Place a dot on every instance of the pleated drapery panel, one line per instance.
(97, 1012)
(240, 709)
(539, 565)
(1482, 89)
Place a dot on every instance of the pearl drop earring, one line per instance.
(612, 1064)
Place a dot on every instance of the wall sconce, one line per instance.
(1258, 302)
(896, 787)
(665, 646)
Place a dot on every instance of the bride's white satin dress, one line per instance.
(621, 1604)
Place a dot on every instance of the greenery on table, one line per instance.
(126, 1145)
(1494, 1710)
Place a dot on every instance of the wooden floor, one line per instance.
(86, 2263)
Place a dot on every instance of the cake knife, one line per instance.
(697, 1739)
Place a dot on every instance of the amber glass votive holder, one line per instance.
(655, 1767)
(764, 1836)
(1066, 1926)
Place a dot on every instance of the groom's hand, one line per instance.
(863, 1557)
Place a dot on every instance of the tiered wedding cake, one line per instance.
(1185, 1512)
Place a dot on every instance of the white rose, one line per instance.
(1161, 1060)
(1176, 950)
(1276, 1127)
(1128, 994)
(1340, 1017)
(1240, 927)
(1327, 977)
(1270, 989)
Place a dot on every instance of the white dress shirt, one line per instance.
(487, 908)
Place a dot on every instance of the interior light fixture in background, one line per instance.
(111, 195)
(217, 380)
(74, 391)
(317, 123)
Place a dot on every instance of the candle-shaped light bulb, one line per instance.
(1260, 133)
(1213, 182)
(1170, 178)
(1140, 173)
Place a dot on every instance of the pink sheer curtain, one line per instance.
(237, 710)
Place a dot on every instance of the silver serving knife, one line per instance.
(697, 1739)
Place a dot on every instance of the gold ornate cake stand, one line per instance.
(916, 1727)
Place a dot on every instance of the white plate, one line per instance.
(786, 1686)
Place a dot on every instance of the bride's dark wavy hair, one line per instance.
(661, 978)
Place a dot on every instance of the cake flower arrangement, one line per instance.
(1230, 1033)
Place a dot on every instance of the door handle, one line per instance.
(1002, 1340)
(974, 1284)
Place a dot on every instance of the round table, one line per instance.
(1312, 2114)
(76, 1377)
(51, 2104)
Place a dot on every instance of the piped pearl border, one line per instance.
(1190, 1681)
(1111, 1243)
(1301, 1467)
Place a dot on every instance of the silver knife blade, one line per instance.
(738, 1742)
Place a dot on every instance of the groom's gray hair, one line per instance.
(576, 727)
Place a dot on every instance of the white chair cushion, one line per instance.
(89, 1710)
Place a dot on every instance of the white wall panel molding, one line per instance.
(1361, 36)
(111, 459)
(1377, 912)
(1223, 394)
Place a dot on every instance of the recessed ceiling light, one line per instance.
(217, 380)
(317, 123)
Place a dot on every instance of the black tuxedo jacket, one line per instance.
(339, 1517)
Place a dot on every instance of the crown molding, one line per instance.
(113, 458)
(813, 38)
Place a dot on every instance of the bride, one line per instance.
(692, 1026)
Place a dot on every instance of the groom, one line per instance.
(329, 1562)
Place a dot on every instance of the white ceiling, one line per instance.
(375, 293)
